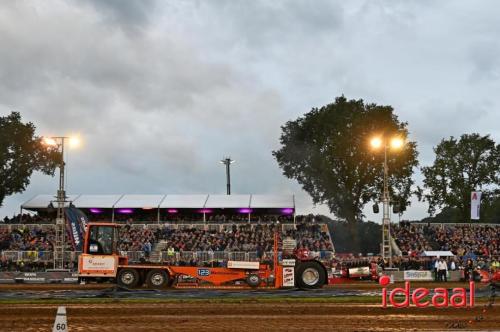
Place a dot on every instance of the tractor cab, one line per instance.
(101, 239)
(100, 257)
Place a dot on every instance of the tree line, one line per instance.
(328, 152)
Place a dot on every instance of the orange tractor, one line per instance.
(100, 260)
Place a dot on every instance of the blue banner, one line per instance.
(76, 222)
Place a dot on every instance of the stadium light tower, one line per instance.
(227, 161)
(394, 143)
(58, 142)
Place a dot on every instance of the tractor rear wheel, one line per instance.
(128, 278)
(157, 279)
(310, 275)
(253, 280)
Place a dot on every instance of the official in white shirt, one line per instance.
(442, 270)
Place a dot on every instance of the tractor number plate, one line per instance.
(203, 272)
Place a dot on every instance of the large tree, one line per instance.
(328, 152)
(462, 166)
(21, 153)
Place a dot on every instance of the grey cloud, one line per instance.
(160, 90)
(130, 13)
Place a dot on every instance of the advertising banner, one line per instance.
(411, 275)
(288, 277)
(359, 271)
(97, 265)
(76, 222)
(243, 265)
(475, 205)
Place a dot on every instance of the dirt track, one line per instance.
(243, 317)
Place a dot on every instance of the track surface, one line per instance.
(242, 317)
(249, 311)
(90, 291)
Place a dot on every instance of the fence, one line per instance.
(36, 256)
(163, 256)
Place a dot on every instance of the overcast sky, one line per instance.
(160, 91)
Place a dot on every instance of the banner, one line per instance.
(288, 277)
(475, 205)
(76, 222)
(359, 271)
(417, 275)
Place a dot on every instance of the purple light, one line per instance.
(125, 211)
(205, 211)
(245, 210)
(172, 211)
(93, 210)
(287, 211)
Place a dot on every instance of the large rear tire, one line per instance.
(128, 278)
(253, 280)
(157, 279)
(310, 275)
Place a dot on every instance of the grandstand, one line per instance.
(210, 229)
(179, 229)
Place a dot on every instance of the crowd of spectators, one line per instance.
(136, 239)
(461, 240)
(242, 237)
(27, 239)
(411, 239)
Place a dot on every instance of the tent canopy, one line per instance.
(228, 201)
(95, 201)
(139, 201)
(43, 202)
(437, 254)
(272, 201)
(184, 201)
(199, 201)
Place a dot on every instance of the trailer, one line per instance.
(101, 260)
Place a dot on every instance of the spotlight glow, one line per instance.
(376, 142)
(397, 143)
(49, 141)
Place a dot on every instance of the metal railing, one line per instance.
(164, 256)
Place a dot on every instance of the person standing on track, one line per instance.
(442, 270)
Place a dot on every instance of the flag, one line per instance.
(475, 204)
(76, 222)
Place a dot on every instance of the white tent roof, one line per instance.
(140, 201)
(437, 253)
(228, 201)
(167, 201)
(96, 201)
(184, 201)
(43, 201)
(272, 201)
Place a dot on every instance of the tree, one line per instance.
(327, 151)
(462, 166)
(21, 153)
